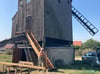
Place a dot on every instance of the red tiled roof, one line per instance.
(8, 46)
(77, 43)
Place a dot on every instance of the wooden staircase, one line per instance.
(36, 47)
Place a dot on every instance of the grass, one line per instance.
(77, 68)
(81, 68)
(5, 58)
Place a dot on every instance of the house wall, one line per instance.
(37, 27)
(14, 24)
(58, 19)
(21, 15)
(66, 54)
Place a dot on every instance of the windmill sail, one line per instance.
(84, 22)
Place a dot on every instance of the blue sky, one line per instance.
(89, 8)
(7, 9)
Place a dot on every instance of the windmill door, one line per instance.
(28, 23)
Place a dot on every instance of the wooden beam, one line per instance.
(24, 66)
(26, 63)
(32, 44)
(36, 41)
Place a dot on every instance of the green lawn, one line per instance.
(77, 68)
(5, 58)
(80, 68)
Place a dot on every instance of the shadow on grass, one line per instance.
(56, 71)
(2, 73)
(82, 66)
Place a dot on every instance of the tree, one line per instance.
(93, 44)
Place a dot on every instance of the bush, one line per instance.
(82, 52)
(9, 52)
(77, 47)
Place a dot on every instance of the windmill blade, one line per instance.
(84, 22)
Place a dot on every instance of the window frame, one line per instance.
(28, 1)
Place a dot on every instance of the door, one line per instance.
(28, 23)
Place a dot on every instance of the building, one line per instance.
(77, 43)
(49, 20)
(9, 46)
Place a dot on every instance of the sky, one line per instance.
(7, 10)
(89, 8)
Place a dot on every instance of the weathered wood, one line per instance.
(8, 69)
(26, 63)
(19, 65)
(3, 68)
(32, 44)
(36, 41)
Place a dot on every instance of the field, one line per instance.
(77, 68)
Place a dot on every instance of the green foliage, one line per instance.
(89, 44)
(9, 52)
(93, 44)
(77, 47)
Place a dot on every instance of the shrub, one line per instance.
(9, 52)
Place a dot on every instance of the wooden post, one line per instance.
(15, 70)
(3, 68)
(21, 70)
(46, 63)
(8, 69)
(29, 71)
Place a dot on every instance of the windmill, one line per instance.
(48, 22)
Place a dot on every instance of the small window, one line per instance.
(89, 54)
(27, 1)
(94, 55)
